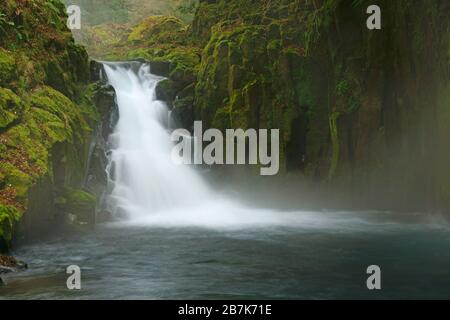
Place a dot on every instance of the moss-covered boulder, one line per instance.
(11, 107)
(166, 90)
(80, 205)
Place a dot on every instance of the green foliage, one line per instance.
(7, 67)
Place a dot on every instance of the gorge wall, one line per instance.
(363, 114)
(47, 117)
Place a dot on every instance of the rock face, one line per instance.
(96, 178)
(363, 114)
(363, 111)
(47, 118)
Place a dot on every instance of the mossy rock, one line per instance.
(184, 60)
(47, 109)
(156, 28)
(13, 177)
(7, 67)
(166, 90)
(183, 111)
(29, 146)
(8, 217)
(11, 107)
(160, 68)
(82, 204)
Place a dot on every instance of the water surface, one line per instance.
(326, 258)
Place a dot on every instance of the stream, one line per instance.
(177, 238)
(324, 256)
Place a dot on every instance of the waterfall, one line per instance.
(145, 187)
(142, 178)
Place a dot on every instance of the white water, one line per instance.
(143, 179)
(146, 186)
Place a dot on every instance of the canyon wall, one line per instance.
(362, 113)
(47, 117)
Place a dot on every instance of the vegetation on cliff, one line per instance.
(45, 117)
(106, 23)
(357, 109)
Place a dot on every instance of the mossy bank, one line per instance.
(47, 118)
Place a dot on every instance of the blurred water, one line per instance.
(326, 258)
(143, 179)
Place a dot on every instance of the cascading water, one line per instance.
(144, 184)
(148, 188)
(142, 177)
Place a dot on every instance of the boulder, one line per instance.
(10, 264)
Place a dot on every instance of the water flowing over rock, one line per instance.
(142, 177)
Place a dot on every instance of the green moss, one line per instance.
(11, 107)
(7, 67)
(184, 60)
(46, 107)
(82, 204)
(80, 198)
(157, 29)
(161, 38)
(13, 177)
(51, 118)
(8, 217)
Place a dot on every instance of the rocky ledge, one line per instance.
(10, 264)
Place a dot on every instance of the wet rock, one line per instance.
(160, 68)
(96, 178)
(104, 216)
(10, 264)
(96, 71)
(183, 110)
(82, 205)
(104, 99)
(166, 90)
